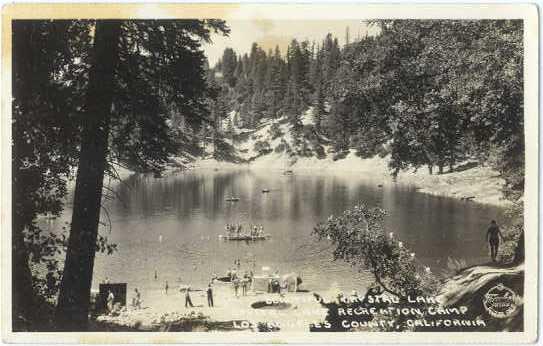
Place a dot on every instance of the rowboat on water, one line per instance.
(232, 199)
(265, 190)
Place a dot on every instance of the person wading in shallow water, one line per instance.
(493, 236)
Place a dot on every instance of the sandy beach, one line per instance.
(295, 311)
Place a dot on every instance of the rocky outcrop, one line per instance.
(490, 293)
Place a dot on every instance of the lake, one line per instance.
(172, 225)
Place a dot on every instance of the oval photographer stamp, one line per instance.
(500, 301)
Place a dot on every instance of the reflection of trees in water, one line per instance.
(318, 205)
(433, 226)
(184, 194)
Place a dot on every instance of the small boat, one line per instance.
(245, 237)
(265, 190)
(232, 199)
(288, 172)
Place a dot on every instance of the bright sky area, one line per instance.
(269, 33)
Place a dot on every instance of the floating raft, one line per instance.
(244, 237)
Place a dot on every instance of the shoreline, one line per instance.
(477, 184)
(229, 312)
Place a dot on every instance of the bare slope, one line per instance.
(272, 146)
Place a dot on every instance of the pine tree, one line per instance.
(319, 110)
(229, 64)
(126, 118)
(74, 298)
(276, 83)
(331, 58)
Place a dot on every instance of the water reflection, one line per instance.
(189, 211)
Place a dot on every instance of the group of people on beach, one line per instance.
(112, 307)
(237, 230)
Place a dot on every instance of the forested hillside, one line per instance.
(433, 93)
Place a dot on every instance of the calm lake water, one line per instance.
(172, 225)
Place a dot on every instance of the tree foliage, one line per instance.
(361, 240)
(158, 75)
(48, 77)
(432, 93)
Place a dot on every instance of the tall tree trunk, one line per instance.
(73, 303)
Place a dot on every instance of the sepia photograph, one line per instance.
(214, 170)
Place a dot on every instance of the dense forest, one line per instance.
(430, 93)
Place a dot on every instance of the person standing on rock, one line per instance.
(188, 301)
(209, 296)
(493, 235)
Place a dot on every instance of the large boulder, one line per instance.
(478, 286)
